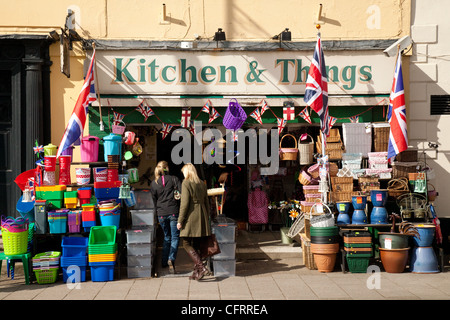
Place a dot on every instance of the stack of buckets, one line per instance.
(71, 199)
(57, 220)
(102, 252)
(74, 258)
(46, 266)
(84, 195)
(74, 221)
(88, 217)
(109, 213)
(358, 250)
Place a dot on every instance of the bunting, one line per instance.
(354, 119)
(256, 115)
(145, 110)
(118, 118)
(264, 106)
(166, 129)
(214, 115)
(281, 124)
(206, 106)
(289, 113)
(185, 117)
(305, 115)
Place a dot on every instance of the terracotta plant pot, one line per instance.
(324, 248)
(394, 260)
(395, 240)
(325, 261)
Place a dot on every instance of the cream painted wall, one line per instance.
(430, 65)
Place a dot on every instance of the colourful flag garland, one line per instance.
(264, 106)
(289, 113)
(305, 115)
(185, 117)
(256, 115)
(281, 124)
(166, 129)
(214, 115)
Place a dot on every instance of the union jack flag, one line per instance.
(316, 92)
(118, 117)
(166, 129)
(75, 127)
(281, 124)
(264, 106)
(398, 136)
(206, 106)
(214, 115)
(354, 119)
(305, 115)
(256, 115)
(185, 118)
(145, 110)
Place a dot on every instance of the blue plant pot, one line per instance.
(379, 197)
(424, 260)
(379, 215)
(359, 217)
(359, 202)
(426, 232)
(343, 218)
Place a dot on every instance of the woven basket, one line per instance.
(334, 136)
(288, 153)
(397, 187)
(432, 194)
(336, 196)
(342, 184)
(368, 183)
(304, 178)
(306, 151)
(381, 136)
(308, 256)
(235, 116)
(402, 169)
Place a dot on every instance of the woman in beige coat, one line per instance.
(193, 220)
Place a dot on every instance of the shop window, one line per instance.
(440, 105)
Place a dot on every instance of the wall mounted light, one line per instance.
(285, 35)
(219, 36)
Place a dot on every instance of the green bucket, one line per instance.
(324, 231)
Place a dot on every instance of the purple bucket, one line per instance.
(235, 116)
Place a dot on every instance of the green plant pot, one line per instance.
(397, 240)
(324, 231)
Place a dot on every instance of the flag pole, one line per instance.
(97, 91)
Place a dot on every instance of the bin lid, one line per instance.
(24, 207)
(223, 221)
(113, 137)
(89, 138)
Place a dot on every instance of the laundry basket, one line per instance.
(235, 116)
(288, 153)
(306, 151)
(321, 219)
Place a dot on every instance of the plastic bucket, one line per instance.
(100, 174)
(83, 175)
(113, 145)
(113, 175)
(89, 149)
(50, 163)
(64, 169)
(50, 150)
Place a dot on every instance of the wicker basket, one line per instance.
(308, 256)
(342, 184)
(235, 116)
(337, 196)
(397, 187)
(334, 136)
(305, 178)
(432, 194)
(312, 189)
(368, 183)
(402, 169)
(333, 150)
(288, 153)
(380, 136)
(306, 151)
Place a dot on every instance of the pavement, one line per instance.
(266, 270)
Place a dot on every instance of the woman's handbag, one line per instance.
(176, 192)
(209, 247)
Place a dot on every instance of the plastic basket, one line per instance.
(46, 275)
(14, 242)
(74, 246)
(235, 116)
(102, 235)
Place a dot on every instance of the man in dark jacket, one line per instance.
(163, 190)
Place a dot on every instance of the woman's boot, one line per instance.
(197, 263)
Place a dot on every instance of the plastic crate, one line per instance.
(224, 268)
(57, 225)
(70, 273)
(45, 276)
(102, 271)
(144, 199)
(76, 260)
(224, 229)
(102, 235)
(357, 264)
(136, 249)
(227, 251)
(142, 217)
(139, 261)
(139, 272)
(74, 246)
(141, 235)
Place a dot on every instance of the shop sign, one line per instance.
(232, 73)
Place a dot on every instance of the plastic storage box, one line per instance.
(141, 235)
(74, 246)
(139, 261)
(144, 199)
(227, 251)
(141, 218)
(357, 137)
(139, 272)
(225, 229)
(224, 268)
(136, 249)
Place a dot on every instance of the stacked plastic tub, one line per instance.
(141, 242)
(358, 250)
(46, 266)
(74, 258)
(102, 252)
(88, 216)
(57, 220)
(224, 263)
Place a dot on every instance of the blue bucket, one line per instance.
(112, 145)
(426, 232)
(111, 218)
(26, 209)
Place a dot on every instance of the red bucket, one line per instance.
(113, 175)
(100, 174)
(50, 163)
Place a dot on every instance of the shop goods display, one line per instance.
(423, 257)
(379, 214)
(112, 145)
(334, 146)
(357, 137)
(325, 246)
(224, 263)
(57, 220)
(380, 136)
(54, 195)
(74, 258)
(343, 216)
(288, 153)
(306, 150)
(235, 115)
(413, 206)
(359, 214)
(102, 252)
(105, 191)
(46, 266)
(74, 221)
(84, 195)
(109, 212)
(64, 170)
(71, 199)
(358, 250)
(141, 243)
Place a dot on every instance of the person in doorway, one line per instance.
(193, 221)
(163, 190)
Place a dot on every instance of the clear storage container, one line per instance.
(139, 272)
(140, 235)
(144, 199)
(139, 261)
(225, 229)
(137, 249)
(143, 217)
(227, 251)
(224, 268)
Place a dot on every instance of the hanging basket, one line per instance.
(306, 151)
(235, 116)
(118, 127)
(397, 187)
(288, 153)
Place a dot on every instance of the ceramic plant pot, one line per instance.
(426, 232)
(394, 260)
(390, 240)
(325, 261)
(424, 260)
